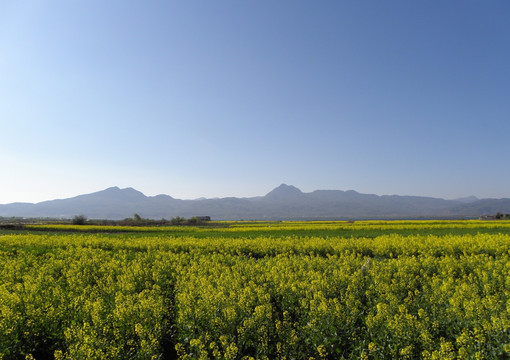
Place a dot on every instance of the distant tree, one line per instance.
(79, 220)
(137, 218)
(177, 220)
(193, 221)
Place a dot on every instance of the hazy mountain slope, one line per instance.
(283, 202)
(482, 207)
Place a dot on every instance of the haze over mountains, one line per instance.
(283, 202)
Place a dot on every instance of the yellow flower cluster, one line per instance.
(282, 294)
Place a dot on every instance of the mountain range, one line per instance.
(283, 202)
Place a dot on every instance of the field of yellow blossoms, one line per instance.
(257, 290)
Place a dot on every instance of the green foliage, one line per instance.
(162, 295)
(79, 220)
(178, 220)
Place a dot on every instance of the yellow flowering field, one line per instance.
(257, 290)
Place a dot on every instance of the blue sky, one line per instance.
(213, 99)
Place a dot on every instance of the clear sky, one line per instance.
(232, 98)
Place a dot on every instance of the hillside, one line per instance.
(283, 202)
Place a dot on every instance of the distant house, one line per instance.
(203, 218)
(486, 217)
(498, 216)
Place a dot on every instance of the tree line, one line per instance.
(137, 220)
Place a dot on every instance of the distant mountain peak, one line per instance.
(118, 193)
(467, 200)
(284, 191)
